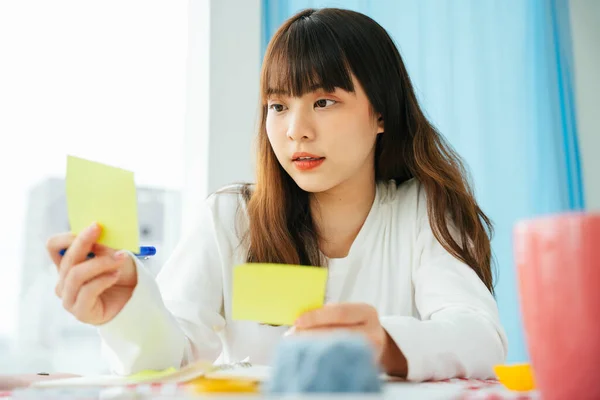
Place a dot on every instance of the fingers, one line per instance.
(56, 243)
(86, 272)
(373, 334)
(337, 315)
(359, 318)
(100, 250)
(63, 241)
(89, 295)
(77, 251)
(81, 246)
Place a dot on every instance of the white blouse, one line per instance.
(437, 310)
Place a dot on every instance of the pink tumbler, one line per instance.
(558, 264)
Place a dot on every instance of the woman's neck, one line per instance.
(340, 213)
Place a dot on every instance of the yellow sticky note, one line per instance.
(149, 375)
(103, 194)
(276, 294)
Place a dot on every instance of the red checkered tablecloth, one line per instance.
(451, 389)
(459, 389)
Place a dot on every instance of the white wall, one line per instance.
(234, 89)
(585, 23)
(223, 72)
(103, 80)
(223, 93)
(195, 181)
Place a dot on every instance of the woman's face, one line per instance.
(322, 139)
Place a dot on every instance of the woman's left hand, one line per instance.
(361, 318)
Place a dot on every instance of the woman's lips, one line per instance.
(308, 163)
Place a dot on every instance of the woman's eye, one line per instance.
(323, 103)
(277, 107)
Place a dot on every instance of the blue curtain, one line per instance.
(494, 76)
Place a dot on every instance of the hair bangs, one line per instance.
(303, 58)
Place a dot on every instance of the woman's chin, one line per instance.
(312, 184)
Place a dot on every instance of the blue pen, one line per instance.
(145, 252)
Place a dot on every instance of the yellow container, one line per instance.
(216, 385)
(518, 377)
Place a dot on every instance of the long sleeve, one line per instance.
(172, 321)
(458, 333)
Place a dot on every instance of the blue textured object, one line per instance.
(335, 363)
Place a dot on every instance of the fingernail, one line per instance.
(120, 255)
(90, 230)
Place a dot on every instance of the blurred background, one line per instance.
(169, 90)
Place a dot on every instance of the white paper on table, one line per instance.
(84, 381)
(258, 373)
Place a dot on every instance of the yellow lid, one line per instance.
(518, 377)
(215, 385)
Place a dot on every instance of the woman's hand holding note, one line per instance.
(95, 289)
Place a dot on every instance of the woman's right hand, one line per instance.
(93, 290)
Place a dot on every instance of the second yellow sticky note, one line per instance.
(276, 294)
(149, 375)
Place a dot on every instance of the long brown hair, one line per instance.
(324, 48)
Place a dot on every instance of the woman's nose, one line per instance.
(300, 129)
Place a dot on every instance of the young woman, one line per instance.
(351, 177)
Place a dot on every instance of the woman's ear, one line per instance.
(380, 124)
